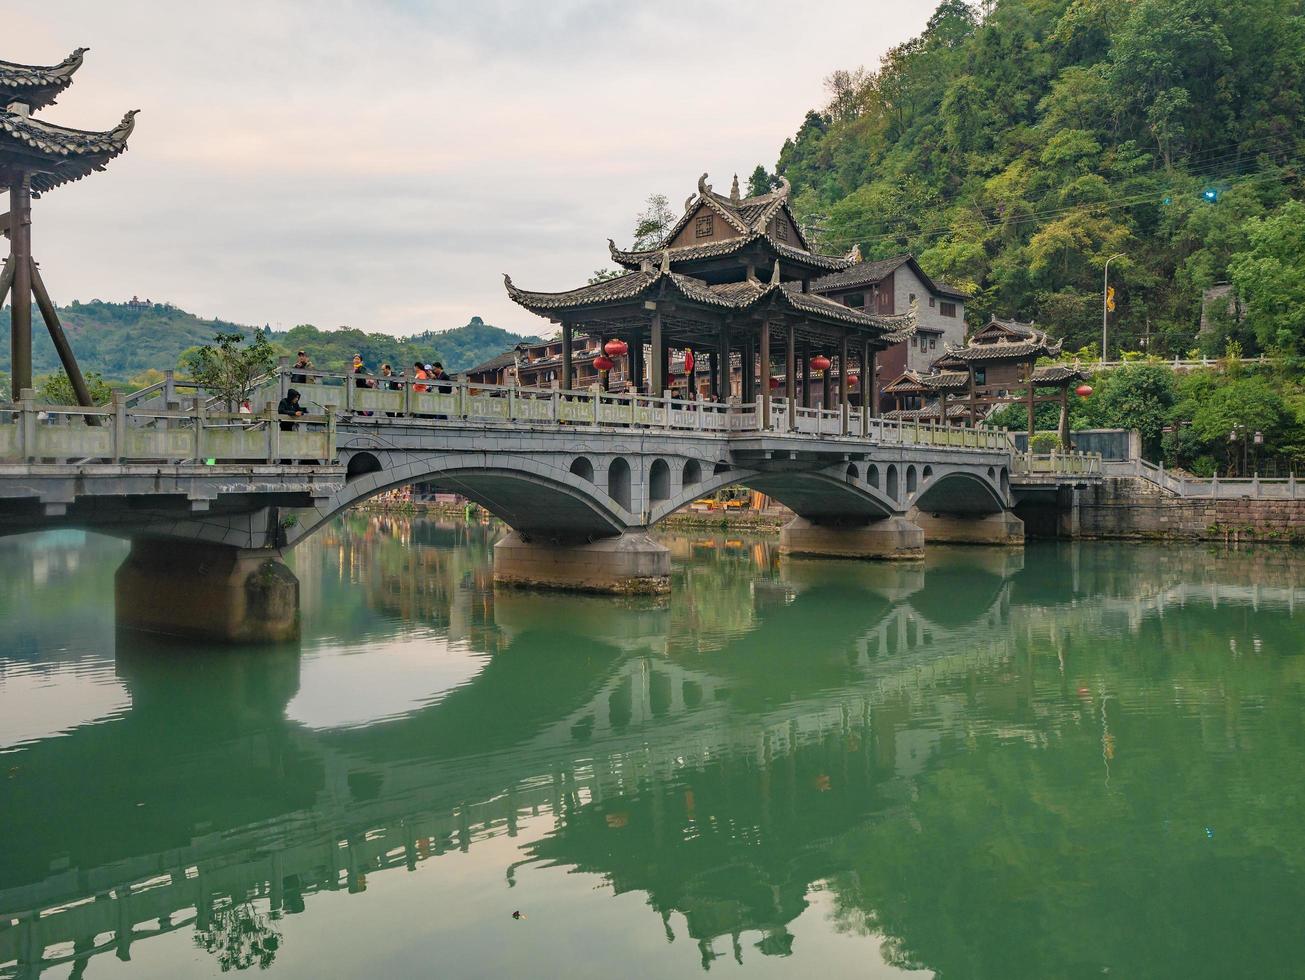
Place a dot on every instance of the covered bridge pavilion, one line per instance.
(731, 276)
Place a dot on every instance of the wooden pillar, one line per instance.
(749, 370)
(765, 374)
(636, 362)
(726, 382)
(827, 389)
(568, 375)
(20, 255)
(806, 375)
(942, 407)
(867, 385)
(1064, 417)
(658, 356)
(873, 371)
(1033, 425)
(844, 389)
(974, 408)
(790, 377)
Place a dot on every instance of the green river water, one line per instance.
(1073, 761)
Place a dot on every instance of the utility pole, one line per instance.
(1105, 304)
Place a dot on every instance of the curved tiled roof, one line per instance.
(871, 271)
(723, 246)
(34, 85)
(58, 154)
(1003, 351)
(732, 296)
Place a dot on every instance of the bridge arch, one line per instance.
(659, 481)
(961, 492)
(692, 474)
(535, 499)
(891, 481)
(618, 482)
(583, 467)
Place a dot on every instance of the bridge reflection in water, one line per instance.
(969, 760)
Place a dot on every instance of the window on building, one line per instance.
(980, 376)
(705, 226)
(931, 302)
(947, 309)
(855, 300)
(781, 229)
(933, 342)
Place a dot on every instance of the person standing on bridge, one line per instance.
(304, 364)
(289, 407)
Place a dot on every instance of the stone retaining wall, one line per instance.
(1126, 507)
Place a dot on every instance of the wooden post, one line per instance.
(844, 389)
(868, 387)
(197, 404)
(61, 344)
(749, 360)
(636, 363)
(20, 255)
(790, 377)
(806, 375)
(658, 355)
(826, 388)
(765, 375)
(726, 382)
(1064, 417)
(6, 279)
(566, 357)
(974, 408)
(119, 427)
(1033, 425)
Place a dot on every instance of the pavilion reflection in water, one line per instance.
(722, 786)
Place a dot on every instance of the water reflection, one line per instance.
(1069, 761)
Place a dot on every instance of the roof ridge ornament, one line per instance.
(784, 188)
(734, 190)
(666, 261)
(774, 274)
(645, 265)
(688, 201)
(704, 188)
(855, 254)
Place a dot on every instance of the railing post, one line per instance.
(593, 393)
(198, 404)
(407, 398)
(330, 455)
(27, 424)
(555, 400)
(119, 426)
(282, 379)
(666, 406)
(348, 393)
(169, 388)
(273, 435)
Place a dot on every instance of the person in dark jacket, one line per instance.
(289, 406)
(445, 386)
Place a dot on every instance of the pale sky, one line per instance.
(381, 164)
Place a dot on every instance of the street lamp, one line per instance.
(1105, 303)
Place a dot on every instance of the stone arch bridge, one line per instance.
(579, 477)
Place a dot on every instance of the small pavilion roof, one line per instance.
(56, 154)
(737, 296)
(723, 246)
(914, 383)
(496, 363)
(1057, 374)
(872, 271)
(37, 86)
(1002, 340)
(929, 413)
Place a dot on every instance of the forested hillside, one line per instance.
(121, 342)
(1014, 147)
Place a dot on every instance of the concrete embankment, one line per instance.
(1127, 507)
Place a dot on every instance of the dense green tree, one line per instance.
(1137, 396)
(1270, 279)
(57, 389)
(759, 182)
(229, 368)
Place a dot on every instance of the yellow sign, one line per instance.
(1110, 299)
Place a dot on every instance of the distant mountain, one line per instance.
(122, 340)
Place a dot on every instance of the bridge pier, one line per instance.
(207, 591)
(627, 564)
(890, 538)
(1002, 528)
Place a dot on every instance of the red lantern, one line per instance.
(602, 364)
(820, 363)
(853, 380)
(1083, 391)
(774, 383)
(616, 348)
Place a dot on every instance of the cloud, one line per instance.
(381, 164)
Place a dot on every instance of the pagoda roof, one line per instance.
(872, 271)
(724, 246)
(56, 154)
(733, 296)
(955, 410)
(914, 383)
(37, 86)
(1002, 340)
(1050, 374)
